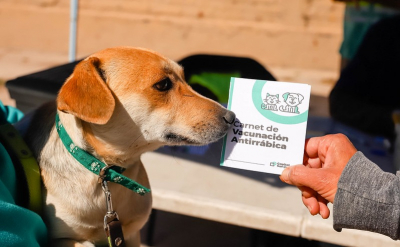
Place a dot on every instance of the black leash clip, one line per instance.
(112, 225)
(113, 230)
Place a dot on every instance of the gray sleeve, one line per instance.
(367, 198)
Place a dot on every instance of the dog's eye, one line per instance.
(164, 85)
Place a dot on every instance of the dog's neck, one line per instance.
(109, 142)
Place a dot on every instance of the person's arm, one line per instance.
(363, 196)
(367, 198)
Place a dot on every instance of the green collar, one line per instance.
(108, 173)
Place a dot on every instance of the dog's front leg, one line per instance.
(70, 243)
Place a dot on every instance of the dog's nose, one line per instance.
(229, 117)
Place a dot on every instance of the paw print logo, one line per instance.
(140, 191)
(95, 167)
(117, 179)
(72, 148)
(59, 126)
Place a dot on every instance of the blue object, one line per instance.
(19, 227)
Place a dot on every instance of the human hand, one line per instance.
(324, 160)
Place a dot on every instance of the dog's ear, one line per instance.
(300, 98)
(285, 95)
(86, 95)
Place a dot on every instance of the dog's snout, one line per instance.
(229, 117)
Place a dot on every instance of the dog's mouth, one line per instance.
(200, 133)
(174, 138)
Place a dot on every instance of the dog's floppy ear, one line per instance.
(300, 97)
(285, 95)
(86, 95)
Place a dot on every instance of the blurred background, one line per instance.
(296, 40)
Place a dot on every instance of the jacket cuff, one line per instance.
(367, 198)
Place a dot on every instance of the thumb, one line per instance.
(300, 175)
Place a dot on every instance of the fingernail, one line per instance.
(285, 175)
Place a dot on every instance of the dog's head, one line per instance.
(293, 99)
(141, 98)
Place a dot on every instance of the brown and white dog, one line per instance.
(117, 104)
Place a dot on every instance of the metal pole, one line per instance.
(72, 30)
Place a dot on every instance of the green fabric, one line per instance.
(357, 21)
(19, 227)
(217, 83)
(94, 165)
(9, 114)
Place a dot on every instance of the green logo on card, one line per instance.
(267, 106)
